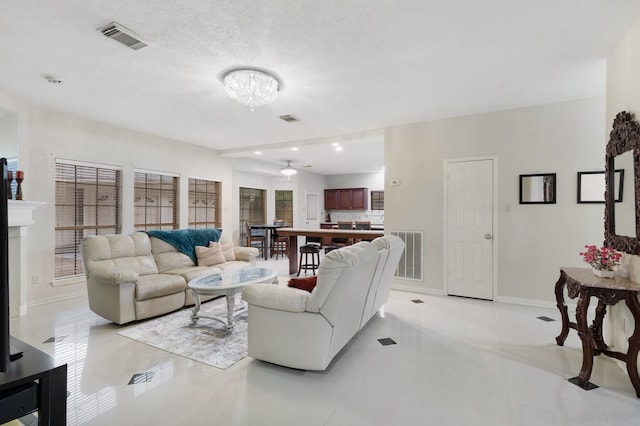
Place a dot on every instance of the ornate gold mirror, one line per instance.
(622, 220)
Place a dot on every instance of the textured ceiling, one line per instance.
(347, 67)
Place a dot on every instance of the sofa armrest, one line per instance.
(246, 253)
(114, 276)
(277, 297)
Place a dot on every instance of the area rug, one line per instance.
(205, 341)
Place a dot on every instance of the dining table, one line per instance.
(294, 233)
(270, 232)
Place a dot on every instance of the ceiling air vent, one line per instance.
(123, 35)
(289, 118)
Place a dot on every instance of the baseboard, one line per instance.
(526, 302)
(56, 299)
(420, 290)
(502, 299)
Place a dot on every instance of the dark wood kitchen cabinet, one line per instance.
(346, 199)
(330, 199)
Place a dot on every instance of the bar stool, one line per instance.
(309, 250)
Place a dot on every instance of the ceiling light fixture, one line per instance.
(288, 170)
(251, 87)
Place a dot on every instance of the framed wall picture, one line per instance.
(591, 186)
(538, 188)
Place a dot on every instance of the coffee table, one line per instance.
(227, 283)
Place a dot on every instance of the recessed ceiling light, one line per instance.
(258, 152)
(338, 148)
(295, 148)
(335, 144)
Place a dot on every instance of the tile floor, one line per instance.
(427, 360)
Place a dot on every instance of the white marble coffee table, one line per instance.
(227, 283)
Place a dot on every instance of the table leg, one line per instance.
(596, 327)
(196, 306)
(562, 307)
(634, 344)
(293, 254)
(231, 303)
(267, 243)
(53, 396)
(585, 337)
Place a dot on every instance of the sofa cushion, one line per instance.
(156, 285)
(227, 249)
(167, 256)
(306, 283)
(210, 256)
(124, 252)
(276, 297)
(192, 272)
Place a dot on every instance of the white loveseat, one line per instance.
(303, 330)
(133, 277)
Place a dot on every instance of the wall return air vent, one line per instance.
(123, 35)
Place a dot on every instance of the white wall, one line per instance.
(46, 136)
(533, 240)
(623, 94)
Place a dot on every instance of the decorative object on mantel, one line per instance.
(9, 180)
(251, 87)
(603, 260)
(19, 179)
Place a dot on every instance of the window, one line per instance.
(284, 206)
(87, 203)
(377, 200)
(252, 209)
(204, 204)
(155, 201)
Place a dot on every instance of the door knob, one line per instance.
(487, 236)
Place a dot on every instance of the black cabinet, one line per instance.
(33, 383)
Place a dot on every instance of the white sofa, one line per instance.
(303, 330)
(133, 277)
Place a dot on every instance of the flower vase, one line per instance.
(604, 273)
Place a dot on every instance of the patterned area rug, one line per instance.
(205, 341)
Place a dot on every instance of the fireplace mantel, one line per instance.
(20, 218)
(21, 212)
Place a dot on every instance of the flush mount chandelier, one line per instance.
(251, 87)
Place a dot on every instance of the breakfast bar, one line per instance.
(293, 233)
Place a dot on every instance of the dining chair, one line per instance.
(341, 242)
(363, 225)
(279, 244)
(256, 238)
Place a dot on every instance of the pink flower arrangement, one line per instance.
(603, 258)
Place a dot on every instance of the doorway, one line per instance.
(470, 214)
(252, 210)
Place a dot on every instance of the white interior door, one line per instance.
(313, 211)
(469, 221)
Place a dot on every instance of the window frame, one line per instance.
(377, 200)
(199, 203)
(72, 189)
(168, 185)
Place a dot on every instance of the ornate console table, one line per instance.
(583, 284)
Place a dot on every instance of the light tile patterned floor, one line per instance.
(455, 361)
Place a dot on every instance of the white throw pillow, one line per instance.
(209, 256)
(227, 249)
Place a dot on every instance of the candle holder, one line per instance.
(19, 179)
(9, 180)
